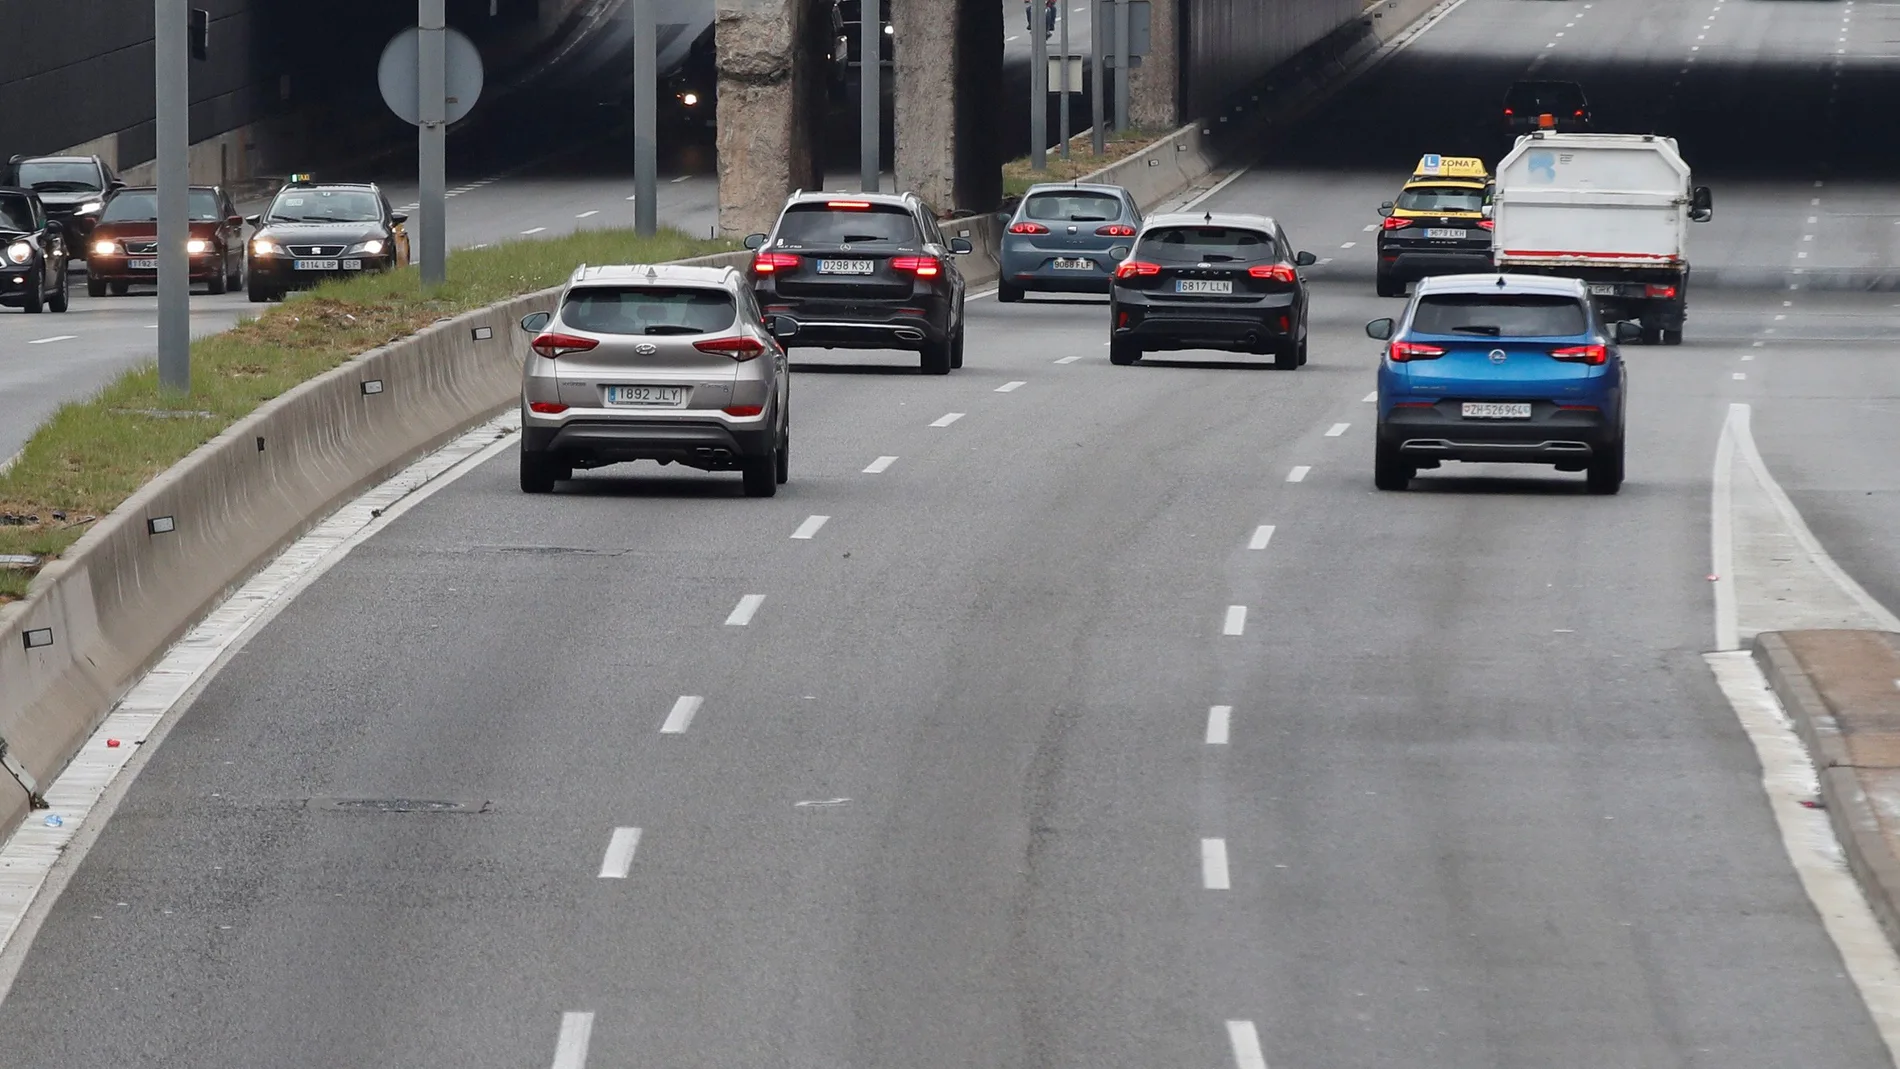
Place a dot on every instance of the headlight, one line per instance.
(197, 245)
(369, 248)
(105, 248)
(264, 247)
(20, 252)
(689, 99)
(89, 207)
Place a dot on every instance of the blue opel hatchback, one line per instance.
(1501, 369)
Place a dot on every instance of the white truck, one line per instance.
(1611, 209)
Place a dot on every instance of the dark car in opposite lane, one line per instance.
(1066, 239)
(34, 254)
(1229, 282)
(123, 249)
(73, 188)
(864, 271)
(315, 232)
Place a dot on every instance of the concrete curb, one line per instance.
(1849, 809)
(108, 609)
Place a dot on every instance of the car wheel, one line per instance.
(95, 287)
(1672, 337)
(1652, 335)
(784, 472)
(956, 351)
(1123, 352)
(257, 291)
(63, 296)
(936, 357)
(1302, 352)
(1007, 293)
(1605, 474)
(761, 474)
(539, 473)
(34, 302)
(120, 289)
(1286, 356)
(237, 277)
(1389, 469)
(1386, 286)
(219, 282)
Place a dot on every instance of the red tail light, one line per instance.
(1402, 351)
(1273, 272)
(1393, 222)
(1508, 111)
(1661, 289)
(768, 263)
(1487, 223)
(743, 410)
(921, 266)
(850, 205)
(547, 408)
(1131, 268)
(555, 346)
(1581, 354)
(1579, 113)
(1028, 228)
(740, 347)
(1116, 230)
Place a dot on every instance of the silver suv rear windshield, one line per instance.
(819, 224)
(1073, 207)
(1212, 244)
(1508, 315)
(649, 309)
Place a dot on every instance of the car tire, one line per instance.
(63, 296)
(1286, 356)
(256, 291)
(1672, 337)
(539, 473)
(1605, 473)
(95, 287)
(1652, 335)
(1008, 294)
(1386, 287)
(784, 460)
(119, 289)
(219, 282)
(34, 301)
(761, 474)
(1302, 352)
(935, 357)
(1123, 352)
(1389, 469)
(956, 350)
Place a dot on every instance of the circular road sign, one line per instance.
(396, 75)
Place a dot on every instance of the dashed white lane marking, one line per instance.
(1298, 474)
(1740, 375)
(810, 526)
(636, 196)
(1219, 717)
(880, 464)
(1370, 227)
(947, 419)
(1349, 244)
(54, 338)
(619, 857)
(682, 178)
(687, 707)
(1246, 1044)
(589, 212)
(1748, 356)
(1779, 317)
(1371, 397)
(1261, 536)
(1337, 429)
(1068, 360)
(535, 230)
(570, 1049)
(1236, 622)
(1214, 864)
(742, 615)
(1010, 387)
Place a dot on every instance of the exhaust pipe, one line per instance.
(911, 335)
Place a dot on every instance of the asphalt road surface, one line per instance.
(1028, 756)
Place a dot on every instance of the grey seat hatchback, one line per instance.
(1066, 239)
(663, 362)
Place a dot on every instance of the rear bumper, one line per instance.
(204, 268)
(1233, 327)
(707, 444)
(907, 325)
(1551, 436)
(277, 273)
(1034, 269)
(1413, 264)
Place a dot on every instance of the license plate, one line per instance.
(1439, 232)
(1603, 289)
(846, 267)
(1074, 265)
(1496, 410)
(315, 265)
(1203, 285)
(647, 396)
(142, 265)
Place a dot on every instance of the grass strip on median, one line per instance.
(1018, 177)
(91, 455)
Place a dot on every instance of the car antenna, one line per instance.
(1208, 218)
(1500, 281)
(652, 273)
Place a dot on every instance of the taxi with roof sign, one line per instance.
(1439, 225)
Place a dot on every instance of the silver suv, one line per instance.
(662, 362)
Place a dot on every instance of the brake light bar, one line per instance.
(1393, 222)
(1116, 230)
(1028, 228)
(1581, 354)
(1272, 272)
(770, 263)
(921, 266)
(739, 346)
(1403, 351)
(1132, 268)
(555, 346)
(546, 408)
(849, 205)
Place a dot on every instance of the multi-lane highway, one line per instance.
(1116, 722)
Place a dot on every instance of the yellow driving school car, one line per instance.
(1438, 224)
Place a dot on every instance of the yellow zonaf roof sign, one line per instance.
(1434, 166)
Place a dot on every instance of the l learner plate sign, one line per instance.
(1496, 410)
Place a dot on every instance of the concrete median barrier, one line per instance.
(97, 618)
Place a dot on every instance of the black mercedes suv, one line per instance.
(864, 271)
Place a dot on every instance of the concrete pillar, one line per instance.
(1154, 97)
(949, 68)
(771, 100)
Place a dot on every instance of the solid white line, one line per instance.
(1246, 1043)
(1371, 397)
(1722, 534)
(536, 230)
(1214, 864)
(54, 338)
(1298, 474)
(1218, 719)
(1068, 360)
(810, 526)
(619, 856)
(947, 419)
(1236, 622)
(1010, 387)
(585, 214)
(1337, 429)
(880, 464)
(570, 1050)
(685, 708)
(742, 615)
(1261, 536)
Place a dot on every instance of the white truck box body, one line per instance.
(1598, 200)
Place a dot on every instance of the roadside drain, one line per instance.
(402, 805)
